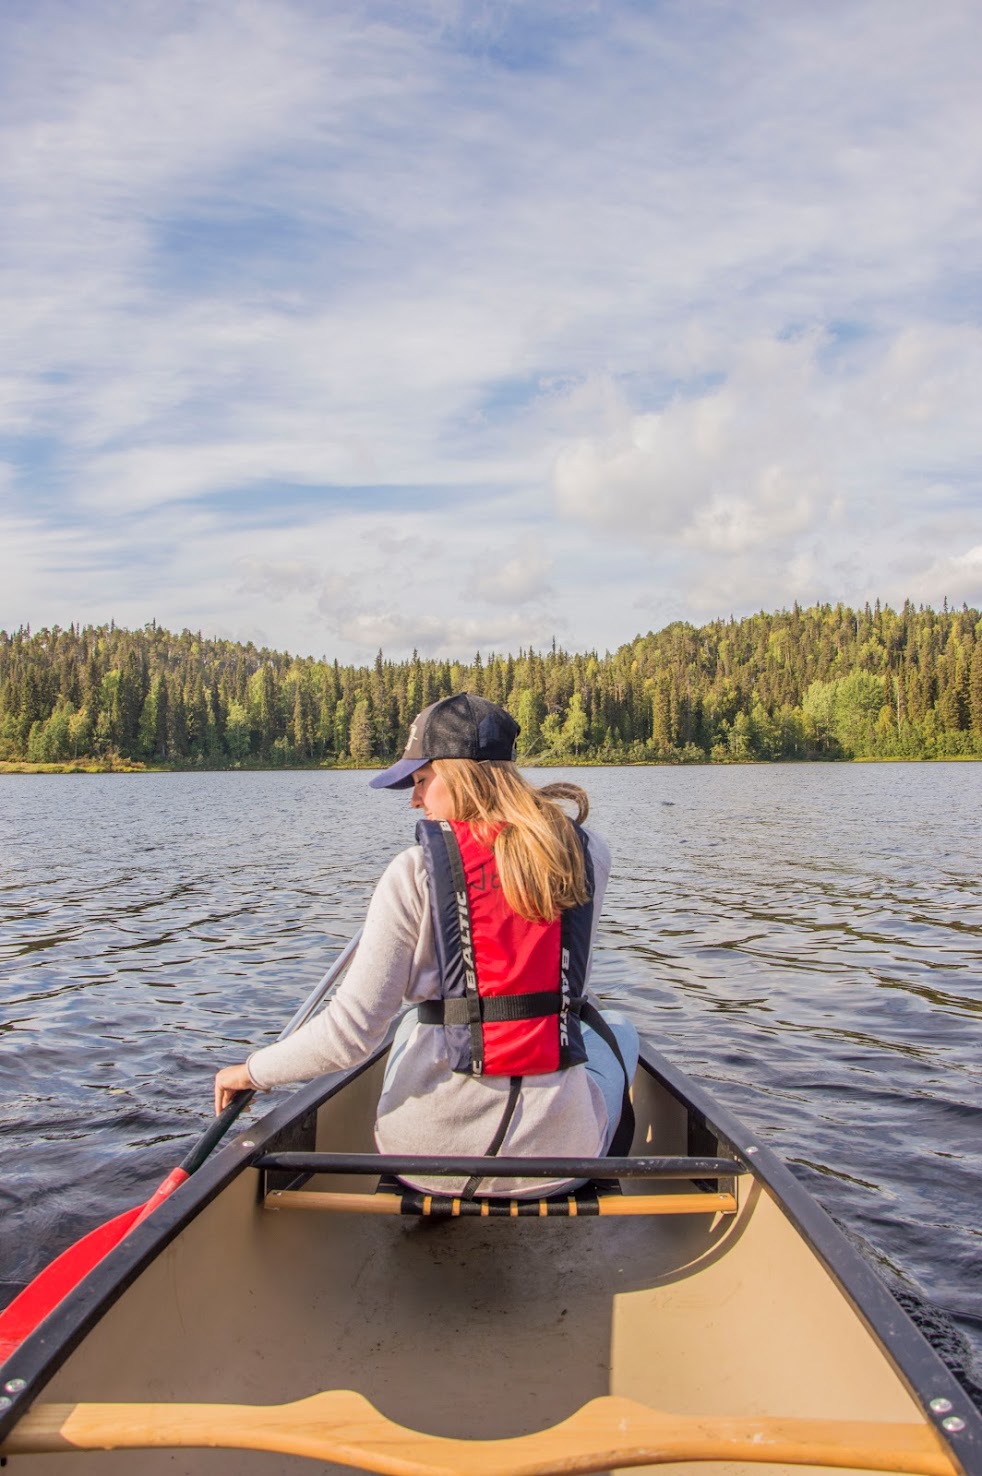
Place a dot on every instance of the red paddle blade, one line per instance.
(52, 1284)
(31, 1306)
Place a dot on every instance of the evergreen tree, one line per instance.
(361, 741)
(820, 682)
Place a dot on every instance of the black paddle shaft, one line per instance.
(215, 1132)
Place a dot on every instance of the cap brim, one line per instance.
(398, 776)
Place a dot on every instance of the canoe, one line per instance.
(287, 1309)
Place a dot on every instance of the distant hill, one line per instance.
(822, 683)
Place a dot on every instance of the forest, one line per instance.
(827, 682)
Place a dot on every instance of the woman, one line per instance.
(485, 928)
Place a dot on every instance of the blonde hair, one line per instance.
(536, 849)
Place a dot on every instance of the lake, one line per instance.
(805, 938)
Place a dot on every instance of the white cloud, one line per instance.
(277, 580)
(767, 478)
(505, 580)
(955, 577)
(702, 274)
(724, 470)
(778, 509)
(441, 636)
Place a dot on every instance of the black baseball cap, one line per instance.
(464, 726)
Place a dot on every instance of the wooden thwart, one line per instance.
(606, 1434)
(439, 1205)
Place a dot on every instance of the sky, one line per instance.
(466, 326)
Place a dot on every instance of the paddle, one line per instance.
(607, 1433)
(63, 1274)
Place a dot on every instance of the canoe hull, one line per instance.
(484, 1329)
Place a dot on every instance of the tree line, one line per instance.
(827, 682)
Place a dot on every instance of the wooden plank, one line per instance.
(612, 1204)
(351, 1204)
(606, 1434)
(668, 1204)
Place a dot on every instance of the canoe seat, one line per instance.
(583, 1203)
(711, 1190)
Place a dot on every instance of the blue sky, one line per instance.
(462, 326)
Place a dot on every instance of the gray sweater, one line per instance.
(425, 1108)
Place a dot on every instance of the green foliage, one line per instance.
(576, 726)
(858, 702)
(827, 682)
(818, 710)
(529, 709)
(361, 741)
(237, 739)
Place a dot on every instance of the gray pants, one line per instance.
(604, 1066)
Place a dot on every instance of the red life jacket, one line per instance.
(511, 988)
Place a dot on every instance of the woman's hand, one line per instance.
(228, 1081)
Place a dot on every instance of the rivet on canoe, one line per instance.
(14, 1386)
(751, 1150)
(953, 1424)
(247, 1143)
(941, 1405)
(5, 1401)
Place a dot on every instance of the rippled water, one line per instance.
(806, 938)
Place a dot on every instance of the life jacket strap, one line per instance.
(472, 998)
(514, 1091)
(495, 1007)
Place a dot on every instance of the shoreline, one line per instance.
(123, 766)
